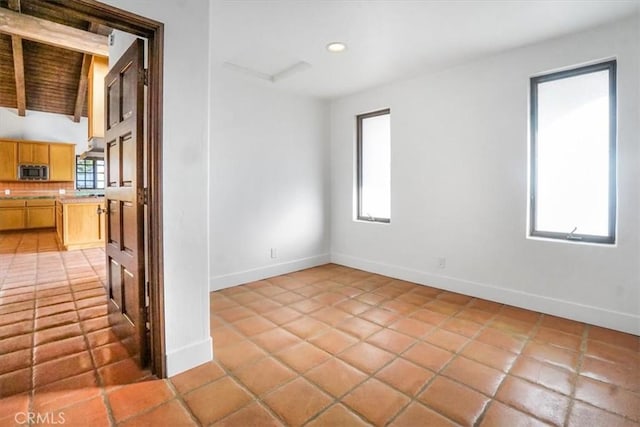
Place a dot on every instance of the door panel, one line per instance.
(128, 167)
(112, 161)
(113, 102)
(124, 184)
(131, 298)
(128, 221)
(113, 224)
(115, 291)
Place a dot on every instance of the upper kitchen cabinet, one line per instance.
(62, 162)
(33, 153)
(95, 101)
(8, 160)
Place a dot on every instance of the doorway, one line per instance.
(115, 18)
(153, 31)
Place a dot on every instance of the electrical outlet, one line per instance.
(62, 191)
(7, 192)
(274, 253)
(442, 262)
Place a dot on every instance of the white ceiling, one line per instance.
(387, 40)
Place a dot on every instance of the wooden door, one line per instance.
(124, 199)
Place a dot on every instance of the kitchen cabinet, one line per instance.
(12, 214)
(61, 159)
(79, 224)
(33, 153)
(20, 214)
(8, 160)
(62, 162)
(40, 214)
(95, 96)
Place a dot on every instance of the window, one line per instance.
(573, 154)
(374, 166)
(89, 173)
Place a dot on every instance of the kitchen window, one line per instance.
(89, 173)
(573, 154)
(374, 166)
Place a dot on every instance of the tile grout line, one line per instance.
(528, 339)
(176, 396)
(299, 375)
(360, 340)
(337, 400)
(419, 340)
(99, 382)
(369, 376)
(576, 375)
(530, 335)
(33, 338)
(237, 303)
(439, 372)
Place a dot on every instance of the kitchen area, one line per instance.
(57, 185)
(39, 192)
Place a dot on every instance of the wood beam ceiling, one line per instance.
(51, 33)
(18, 66)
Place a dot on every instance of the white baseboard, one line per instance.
(233, 279)
(189, 357)
(620, 321)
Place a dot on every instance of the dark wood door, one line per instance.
(124, 200)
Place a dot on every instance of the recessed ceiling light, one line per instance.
(336, 47)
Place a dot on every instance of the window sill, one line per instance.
(572, 242)
(369, 221)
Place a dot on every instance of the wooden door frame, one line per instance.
(153, 31)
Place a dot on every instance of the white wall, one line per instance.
(39, 126)
(185, 164)
(269, 180)
(459, 186)
(120, 42)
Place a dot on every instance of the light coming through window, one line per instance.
(573, 133)
(374, 166)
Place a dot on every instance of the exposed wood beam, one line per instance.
(82, 83)
(14, 5)
(18, 66)
(51, 33)
(82, 87)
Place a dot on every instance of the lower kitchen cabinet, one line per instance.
(80, 224)
(40, 214)
(20, 214)
(12, 215)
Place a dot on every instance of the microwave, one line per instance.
(33, 172)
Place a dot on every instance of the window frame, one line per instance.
(359, 119)
(611, 66)
(95, 173)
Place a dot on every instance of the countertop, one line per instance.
(61, 198)
(84, 199)
(26, 197)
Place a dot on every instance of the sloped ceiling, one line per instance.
(52, 75)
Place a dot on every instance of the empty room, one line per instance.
(320, 213)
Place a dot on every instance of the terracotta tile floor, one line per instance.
(328, 346)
